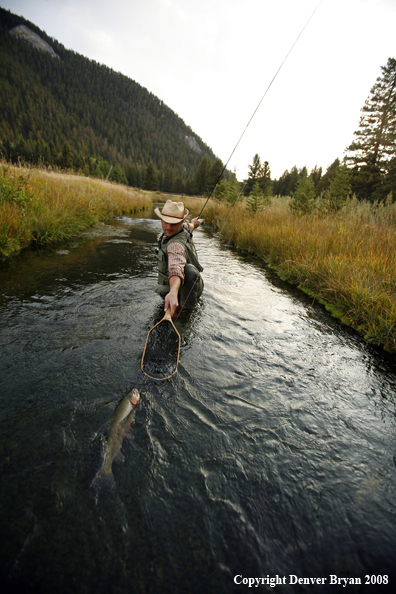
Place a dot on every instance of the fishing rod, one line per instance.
(260, 102)
(247, 125)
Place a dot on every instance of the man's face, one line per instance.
(171, 229)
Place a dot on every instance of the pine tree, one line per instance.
(253, 175)
(53, 153)
(389, 182)
(117, 174)
(98, 172)
(374, 146)
(215, 174)
(202, 176)
(232, 190)
(326, 179)
(150, 178)
(366, 182)
(261, 173)
(292, 181)
(256, 199)
(21, 151)
(178, 186)
(189, 187)
(265, 179)
(316, 175)
(220, 190)
(286, 184)
(169, 180)
(303, 201)
(228, 190)
(67, 156)
(339, 190)
(280, 184)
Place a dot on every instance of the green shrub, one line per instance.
(15, 189)
(257, 200)
(303, 201)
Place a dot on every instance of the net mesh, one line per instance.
(161, 354)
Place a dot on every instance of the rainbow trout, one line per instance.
(119, 425)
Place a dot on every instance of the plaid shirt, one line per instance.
(177, 258)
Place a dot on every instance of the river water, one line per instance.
(270, 453)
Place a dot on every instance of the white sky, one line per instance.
(211, 62)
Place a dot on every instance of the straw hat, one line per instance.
(173, 212)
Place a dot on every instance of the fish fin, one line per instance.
(104, 481)
(104, 428)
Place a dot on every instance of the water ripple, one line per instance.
(270, 452)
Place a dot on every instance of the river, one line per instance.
(270, 454)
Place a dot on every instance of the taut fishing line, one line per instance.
(158, 343)
(260, 102)
(247, 125)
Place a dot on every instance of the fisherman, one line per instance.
(179, 272)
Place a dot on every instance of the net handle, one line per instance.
(167, 318)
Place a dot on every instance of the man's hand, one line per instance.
(194, 224)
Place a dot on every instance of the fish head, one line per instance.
(134, 397)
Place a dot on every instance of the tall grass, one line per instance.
(56, 206)
(346, 260)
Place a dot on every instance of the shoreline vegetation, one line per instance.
(345, 260)
(39, 207)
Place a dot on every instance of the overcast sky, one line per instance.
(211, 62)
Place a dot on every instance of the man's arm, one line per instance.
(194, 224)
(171, 299)
(176, 261)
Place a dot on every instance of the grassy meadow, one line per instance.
(345, 260)
(38, 207)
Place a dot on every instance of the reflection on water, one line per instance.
(270, 452)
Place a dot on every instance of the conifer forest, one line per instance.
(65, 110)
(62, 110)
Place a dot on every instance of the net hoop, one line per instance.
(166, 318)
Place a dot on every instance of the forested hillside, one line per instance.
(70, 111)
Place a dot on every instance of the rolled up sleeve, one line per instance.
(177, 260)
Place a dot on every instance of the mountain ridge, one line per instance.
(101, 113)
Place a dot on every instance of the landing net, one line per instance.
(162, 350)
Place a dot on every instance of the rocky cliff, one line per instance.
(23, 32)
